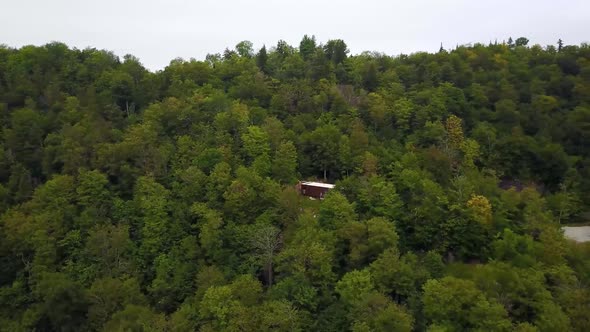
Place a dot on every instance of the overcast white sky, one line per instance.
(157, 31)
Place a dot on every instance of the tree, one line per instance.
(63, 302)
(336, 50)
(266, 242)
(284, 164)
(429, 204)
(378, 197)
(458, 304)
(481, 208)
(370, 79)
(228, 306)
(308, 260)
(376, 312)
(53, 205)
(402, 112)
(369, 164)
(110, 295)
(219, 180)
(256, 142)
(217, 306)
(563, 203)
(454, 131)
(354, 285)
(323, 145)
(279, 316)
(249, 195)
(378, 110)
(140, 152)
(346, 160)
(174, 273)
(136, 318)
(244, 49)
(367, 240)
(307, 47)
(210, 235)
(152, 198)
(402, 277)
(359, 140)
(517, 249)
(234, 120)
(24, 138)
(109, 247)
(262, 59)
(470, 150)
(93, 195)
(336, 211)
(535, 305)
(3, 198)
(522, 41)
(283, 49)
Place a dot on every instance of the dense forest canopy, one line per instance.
(133, 200)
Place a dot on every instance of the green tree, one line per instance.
(307, 46)
(521, 41)
(370, 78)
(219, 180)
(367, 240)
(308, 257)
(136, 318)
(63, 303)
(24, 138)
(336, 211)
(266, 242)
(457, 304)
(109, 249)
(152, 199)
(279, 316)
(262, 59)
(375, 312)
(108, 296)
(174, 273)
(336, 50)
(256, 142)
(378, 197)
(354, 285)
(244, 49)
(284, 164)
(323, 144)
(209, 224)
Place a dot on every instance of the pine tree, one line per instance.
(261, 59)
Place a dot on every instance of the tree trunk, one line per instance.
(450, 257)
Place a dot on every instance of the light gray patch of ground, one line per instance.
(578, 234)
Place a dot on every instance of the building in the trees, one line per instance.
(314, 189)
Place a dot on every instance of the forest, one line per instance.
(134, 200)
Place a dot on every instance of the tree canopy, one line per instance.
(133, 200)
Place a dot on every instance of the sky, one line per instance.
(158, 31)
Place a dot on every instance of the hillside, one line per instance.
(167, 201)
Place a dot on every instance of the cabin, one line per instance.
(315, 190)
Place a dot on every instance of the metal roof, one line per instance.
(318, 184)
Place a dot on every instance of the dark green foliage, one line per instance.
(166, 201)
(307, 46)
(262, 59)
(336, 50)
